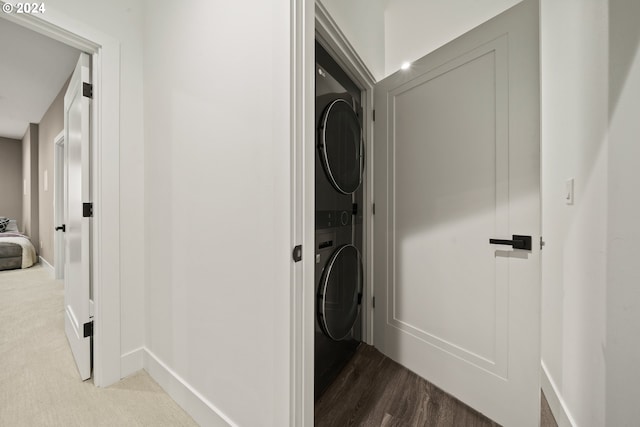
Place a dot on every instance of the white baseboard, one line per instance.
(131, 362)
(556, 403)
(194, 403)
(46, 265)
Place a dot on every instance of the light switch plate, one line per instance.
(568, 192)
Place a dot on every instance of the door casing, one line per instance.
(343, 53)
(311, 21)
(105, 177)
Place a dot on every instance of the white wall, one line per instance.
(217, 206)
(574, 145)
(362, 22)
(414, 28)
(623, 262)
(122, 20)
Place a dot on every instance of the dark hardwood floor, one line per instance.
(372, 390)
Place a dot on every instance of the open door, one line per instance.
(77, 213)
(457, 163)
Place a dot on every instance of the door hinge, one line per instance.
(542, 243)
(88, 329)
(373, 209)
(354, 210)
(359, 298)
(87, 210)
(87, 90)
(373, 302)
(297, 253)
(373, 115)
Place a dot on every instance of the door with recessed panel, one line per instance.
(77, 216)
(457, 222)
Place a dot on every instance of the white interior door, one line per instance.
(77, 278)
(457, 162)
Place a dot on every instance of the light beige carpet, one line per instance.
(39, 383)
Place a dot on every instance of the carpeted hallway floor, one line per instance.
(39, 384)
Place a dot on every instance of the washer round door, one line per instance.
(339, 291)
(341, 146)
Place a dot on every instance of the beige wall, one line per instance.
(11, 179)
(51, 125)
(30, 223)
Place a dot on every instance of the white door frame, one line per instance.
(336, 44)
(105, 178)
(312, 21)
(58, 204)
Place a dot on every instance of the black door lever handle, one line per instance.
(62, 227)
(518, 242)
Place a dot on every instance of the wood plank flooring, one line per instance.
(372, 390)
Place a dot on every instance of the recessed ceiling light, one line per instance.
(405, 65)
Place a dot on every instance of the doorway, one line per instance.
(404, 334)
(105, 136)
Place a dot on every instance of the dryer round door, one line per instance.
(340, 287)
(341, 146)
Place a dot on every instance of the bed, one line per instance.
(16, 250)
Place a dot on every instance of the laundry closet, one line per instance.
(427, 212)
(339, 170)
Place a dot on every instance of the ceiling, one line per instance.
(33, 69)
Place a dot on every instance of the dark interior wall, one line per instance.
(11, 179)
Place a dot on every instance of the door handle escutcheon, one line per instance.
(518, 242)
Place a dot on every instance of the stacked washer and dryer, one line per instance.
(339, 228)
